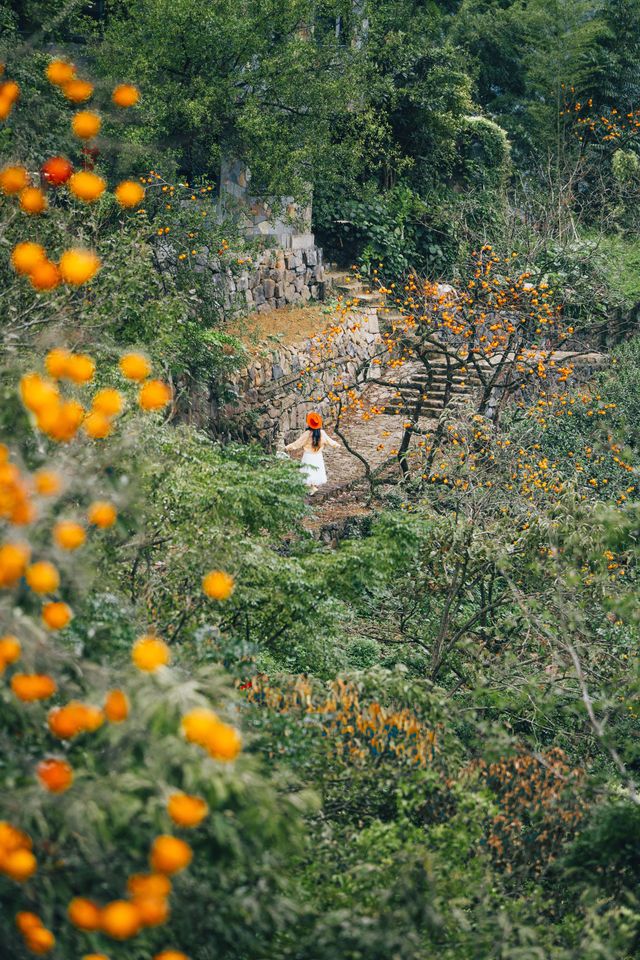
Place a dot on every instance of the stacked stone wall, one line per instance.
(281, 277)
(273, 395)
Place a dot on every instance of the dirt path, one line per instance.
(375, 437)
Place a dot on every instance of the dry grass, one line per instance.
(285, 326)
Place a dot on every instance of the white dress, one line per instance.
(312, 460)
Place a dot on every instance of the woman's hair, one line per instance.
(315, 438)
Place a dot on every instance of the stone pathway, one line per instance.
(373, 438)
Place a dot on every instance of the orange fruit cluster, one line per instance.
(76, 266)
(74, 718)
(16, 859)
(58, 418)
(147, 905)
(62, 364)
(36, 937)
(203, 727)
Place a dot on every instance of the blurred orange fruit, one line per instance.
(87, 186)
(84, 914)
(56, 615)
(56, 171)
(107, 401)
(77, 90)
(68, 721)
(116, 706)
(10, 648)
(149, 654)
(96, 425)
(186, 810)
(19, 865)
(85, 124)
(33, 200)
(45, 275)
(26, 255)
(69, 535)
(56, 362)
(149, 885)
(101, 514)
(198, 724)
(42, 577)
(40, 940)
(152, 911)
(80, 368)
(33, 686)
(38, 393)
(135, 367)
(154, 395)
(47, 482)
(129, 193)
(125, 95)
(55, 775)
(10, 91)
(169, 854)
(13, 179)
(13, 559)
(60, 72)
(63, 422)
(25, 920)
(77, 266)
(120, 920)
(224, 743)
(218, 585)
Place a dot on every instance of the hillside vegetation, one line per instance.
(220, 737)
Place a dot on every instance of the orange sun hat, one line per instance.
(314, 420)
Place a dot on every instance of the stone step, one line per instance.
(442, 378)
(432, 411)
(364, 299)
(438, 390)
(352, 288)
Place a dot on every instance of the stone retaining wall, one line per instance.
(281, 277)
(272, 396)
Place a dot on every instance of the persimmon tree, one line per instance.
(116, 776)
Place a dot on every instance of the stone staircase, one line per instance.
(415, 380)
(344, 284)
(434, 384)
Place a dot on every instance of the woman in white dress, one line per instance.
(313, 442)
